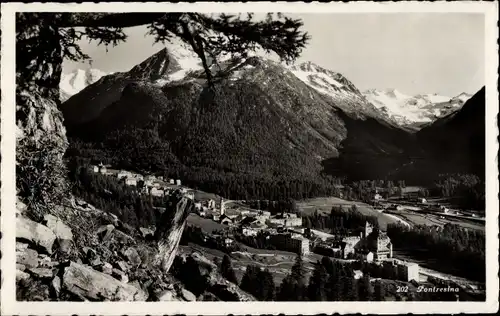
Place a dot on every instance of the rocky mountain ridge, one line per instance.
(307, 116)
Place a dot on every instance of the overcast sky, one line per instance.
(413, 52)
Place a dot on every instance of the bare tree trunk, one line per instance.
(169, 229)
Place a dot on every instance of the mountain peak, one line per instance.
(75, 81)
(154, 67)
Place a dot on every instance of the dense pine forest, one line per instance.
(454, 247)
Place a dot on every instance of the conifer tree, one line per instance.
(317, 284)
(379, 291)
(293, 287)
(227, 271)
(266, 288)
(364, 288)
(249, 281)
(350, 292)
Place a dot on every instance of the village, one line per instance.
(284, 231)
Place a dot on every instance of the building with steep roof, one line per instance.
(369, 240)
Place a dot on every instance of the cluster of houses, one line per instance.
(368, 246)
(284, 230)
(150, 184)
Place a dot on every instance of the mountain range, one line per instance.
(414, 111)
(410, 112)
(259, 119)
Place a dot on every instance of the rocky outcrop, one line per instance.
(41, 136)
(86, 282)
(41, 144)
(201, 275)
(169, 231)
(37, 234)
(61, 231)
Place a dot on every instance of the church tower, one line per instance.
(368, 229)
(222, 207)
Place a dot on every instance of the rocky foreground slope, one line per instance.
(81, 253)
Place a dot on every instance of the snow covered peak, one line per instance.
(395, 94)
(462, 97)
(324, 80)
(75, 81)
(408, 110)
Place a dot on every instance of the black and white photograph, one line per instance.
(190, 153)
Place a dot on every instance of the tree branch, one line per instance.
(98, 19)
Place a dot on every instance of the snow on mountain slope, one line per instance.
(408, 110)
(462, 97)
(75, 81)
(338, 88)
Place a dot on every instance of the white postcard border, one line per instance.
(10, 307)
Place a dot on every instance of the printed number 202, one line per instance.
(402, 289)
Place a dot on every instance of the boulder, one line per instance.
(110, 218)
(86, 282)
(20, 267)
(188, 296)
(107, 268)
(41, 273)
(122, 238)
(120, 275)
(28, 257)
(42, 260)
(37, 234)
(62, 231)
(95, 262)
(49, 264)
(133, 256)
(104, 232)
(207, 296)
(20, 246)
(122, 265)
(20, 275)
(199, 274)
(146, 233)
(56, 285)
(167, 296)
(136, 284)
(20, 207)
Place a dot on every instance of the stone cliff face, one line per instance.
(41, 136)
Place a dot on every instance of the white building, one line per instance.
(358, 274)
(211, 203)
(408, 271)
(222, 207)
(131, 181)
(178, 182)
(171, 181)
(368, 257)
(95, 169)
(122, 174)
(157, 192)
(248, 231)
